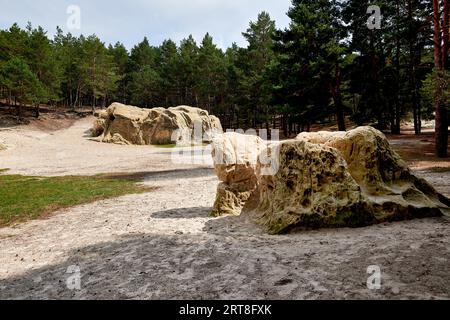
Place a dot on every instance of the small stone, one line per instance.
(396, 290)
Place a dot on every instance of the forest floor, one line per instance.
(164, 244)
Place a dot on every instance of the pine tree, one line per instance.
(259, 52)
(23, 84)
(167, 68)
(144, 87)
(310, 57)
(211, 68)
(441, 75)
(187, 69)
(44, 65)
(121, 60)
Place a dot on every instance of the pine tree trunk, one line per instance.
(437, 35)
(446, 35)
(397, 110)
(441, 131)
(412, 71)
(337, 97)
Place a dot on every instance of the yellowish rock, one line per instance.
(235, 160)
(342, 179)
(311, 189)
(183, 125)
(98, 127)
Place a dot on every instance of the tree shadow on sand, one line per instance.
(221, 264)
(163, 175)
(142, 267)
(183, 213)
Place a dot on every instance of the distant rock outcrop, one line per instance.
(342, 179)
(124, 124)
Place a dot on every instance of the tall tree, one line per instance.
(211, 69)
(441, 47)
(43, 63)
(23, 84)
(188, 53)
(121, 61)
(100, 68)
(260, 53)
(168, 70)
(144, 87)
(310, 57)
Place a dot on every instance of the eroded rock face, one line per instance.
(235, 158)
(370, 159)
(312, 188)
(338, 179)
(123, 124)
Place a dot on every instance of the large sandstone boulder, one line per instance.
(235, 158)
(183, 125)
(338, 180)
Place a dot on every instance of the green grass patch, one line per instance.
(24, 198)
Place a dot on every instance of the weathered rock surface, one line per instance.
(98, 128)
(339, 179)
(235, 158)
(123, 124)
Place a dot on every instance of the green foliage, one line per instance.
(326, 64)
(436, 88)
(309, 57)
(144, 86)
(385, 78)
(17, 77)
(210, 70)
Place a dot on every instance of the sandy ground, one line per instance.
(164, 245)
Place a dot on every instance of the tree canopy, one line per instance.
(327, 65)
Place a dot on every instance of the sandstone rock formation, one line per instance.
(98, 128)
(123, 124)
(235, 158)
(338, 179)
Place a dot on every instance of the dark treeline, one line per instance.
(327, 65)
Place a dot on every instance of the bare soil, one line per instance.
(164, 244)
